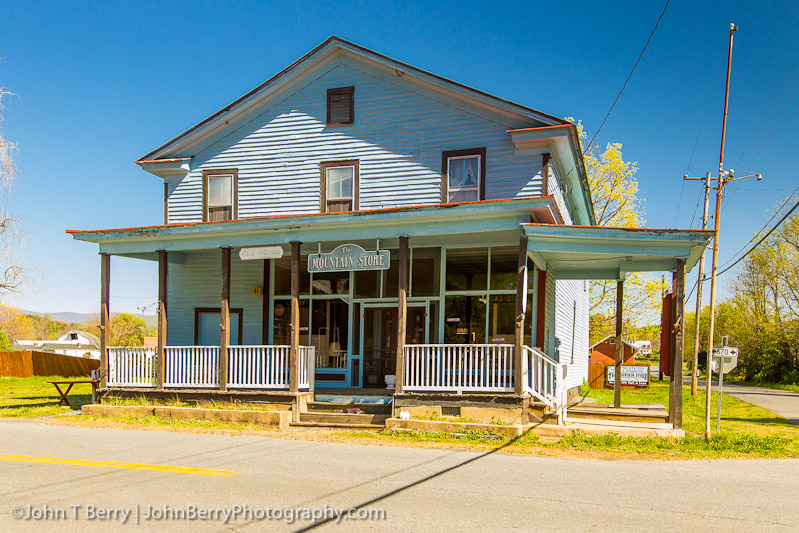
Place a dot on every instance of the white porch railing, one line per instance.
(307, 366)
(545, 380)
(258, 367)
(131, 366)
(249, 367)
(191, 366)
(458, 368)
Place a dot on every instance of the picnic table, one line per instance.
(72, 383)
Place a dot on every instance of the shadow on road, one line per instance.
(417, 482)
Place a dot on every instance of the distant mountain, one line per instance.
(83, 318)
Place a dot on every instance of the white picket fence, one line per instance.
(458, 368)
(131, 366)
(249, 367)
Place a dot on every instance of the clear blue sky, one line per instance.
(103, 83)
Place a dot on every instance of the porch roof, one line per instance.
(493, 220)
(592, 252)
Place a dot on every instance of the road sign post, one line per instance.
(725, 359)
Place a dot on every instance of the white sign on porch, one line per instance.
(261, 252)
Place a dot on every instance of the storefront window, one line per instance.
(502, 319)
(391, 277)
(330, 333)
(425, 272)
(467, 269)
(331, 283)
(464, 319)
(367, 284)
(504, 264)
(283, 276)
(281, 322)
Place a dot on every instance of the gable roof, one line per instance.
(335, 45)
(628, 343)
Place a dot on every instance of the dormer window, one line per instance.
(340, 106)
(339, 186)
(220, 195)
(463, 175)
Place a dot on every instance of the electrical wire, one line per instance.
(628, 77)
(776, 212)
(759, 242)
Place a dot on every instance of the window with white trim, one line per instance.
(463, 175)
(339, 186)
(219, 191)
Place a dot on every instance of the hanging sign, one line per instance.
(261, 252)
(349, 257)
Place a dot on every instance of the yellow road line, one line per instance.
(115, 464)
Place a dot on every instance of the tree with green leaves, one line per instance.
(614, 194)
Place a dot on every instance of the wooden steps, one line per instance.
(591, 413)
(334, 407)
(344, 415)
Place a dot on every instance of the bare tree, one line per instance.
(11, 271)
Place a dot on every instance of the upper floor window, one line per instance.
(463, 175)
(340, 106)
(339, 186)
(220, 195)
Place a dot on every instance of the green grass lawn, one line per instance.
(33, 397)
(747, 430)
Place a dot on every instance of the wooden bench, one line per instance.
(71, 383)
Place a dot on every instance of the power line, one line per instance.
(776, 212)
(759, 242)
(628, 77)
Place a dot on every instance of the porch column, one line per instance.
(521, 298)
(265, 304)
(105, 284)
(294, 375)
(224, 309)
(678, 306)
(541, 311)
(619, 343)
(402, 312)
(163, 269)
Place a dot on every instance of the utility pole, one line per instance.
(723, 178)
(695, 367)
(719, 190)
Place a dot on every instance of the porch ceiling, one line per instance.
(487, 221)
(590, 252)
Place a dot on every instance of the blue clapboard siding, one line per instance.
(567, 293)
(197, 282)
(398, 136)
(555, 189)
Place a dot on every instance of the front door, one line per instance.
(380, 340)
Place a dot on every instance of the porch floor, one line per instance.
(354, 392)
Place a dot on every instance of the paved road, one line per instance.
(781, 402)
(419, 489)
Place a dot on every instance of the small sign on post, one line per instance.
(725, 359)
(261, 252)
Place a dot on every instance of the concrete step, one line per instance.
(625, 430)
(351, 420)
(339, 426)
(337, 407)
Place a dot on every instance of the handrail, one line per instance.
(546, 380)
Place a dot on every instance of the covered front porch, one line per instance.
(460, 311)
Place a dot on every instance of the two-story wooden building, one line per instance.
(355, 220)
